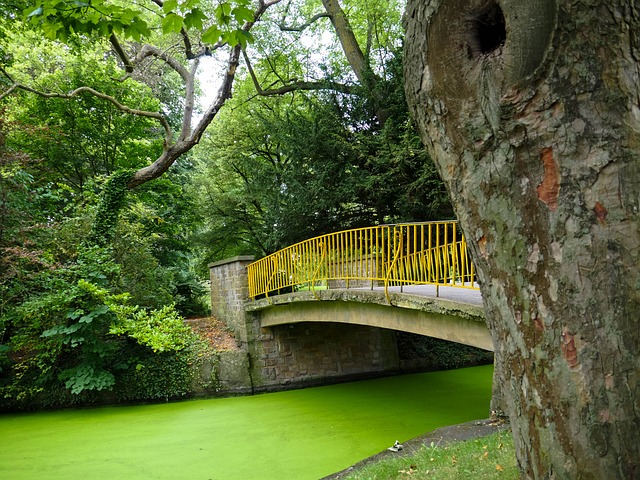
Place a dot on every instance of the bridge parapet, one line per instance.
(230, 291)
(385, 255)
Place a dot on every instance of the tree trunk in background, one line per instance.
(530, 110)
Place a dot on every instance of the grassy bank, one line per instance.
(490, 457)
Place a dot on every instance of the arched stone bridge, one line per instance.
(306, 338)
(455, 315)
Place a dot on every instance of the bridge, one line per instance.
(414, 277)
(330, 307)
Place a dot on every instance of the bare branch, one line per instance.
(304, 26)
(189, 101)
(9, 91)
(294, 85)
(184, 144)
(153, 51)
(13, 86)
(123, 108)
(128, 66)
(187, 44)
(256, 83)
(170, 155)
(224, 93)
(301, 86)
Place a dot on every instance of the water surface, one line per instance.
(299, 434)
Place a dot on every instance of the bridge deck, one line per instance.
(462, 295)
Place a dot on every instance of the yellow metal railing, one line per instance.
(432, 253)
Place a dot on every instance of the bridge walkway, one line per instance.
(460, 295)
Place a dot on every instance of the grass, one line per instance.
(490, 457)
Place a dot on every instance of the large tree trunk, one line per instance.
(531, 112)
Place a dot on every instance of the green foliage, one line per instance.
(75, 319)
(86, 377)
(279, 170)
(160, 376)
(111, 202)
(62, 19)
(153, 245)
(79, 139)
(161, 330)
(74, 331)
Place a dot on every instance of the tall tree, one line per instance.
(530, 109)
(190, 32)
(310, 163)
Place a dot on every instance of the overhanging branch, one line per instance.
(128, 66)
(304, 26)
(153, 51)
(295, 85)
(123, 108)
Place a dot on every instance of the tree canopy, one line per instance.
(99, 98)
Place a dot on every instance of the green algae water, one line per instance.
(298, 434)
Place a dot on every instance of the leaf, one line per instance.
(211, 35)
(188, 5)
(169, 5)
(194, 19)
(73, 314)
(50, 30)
(172, 23)
(222, 13)
(244, 37)
(499, 467)
(50, 332)
(243, 14)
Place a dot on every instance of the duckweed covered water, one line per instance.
(299, 434)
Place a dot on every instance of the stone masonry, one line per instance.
(229, 292)
(302, 354)
(306, 354)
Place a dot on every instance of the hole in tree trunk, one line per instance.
(488, 30)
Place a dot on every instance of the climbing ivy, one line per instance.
(111, 202)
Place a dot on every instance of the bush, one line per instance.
(74, 338)
(158, 376)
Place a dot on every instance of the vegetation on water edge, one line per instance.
(486, 457)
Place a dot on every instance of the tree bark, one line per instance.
(530, 109)
(357, 60)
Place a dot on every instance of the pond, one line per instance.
(298, 434)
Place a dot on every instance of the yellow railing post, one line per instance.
(396, 257)
(323, 252)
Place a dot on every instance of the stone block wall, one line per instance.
(296, 355)
(229, 292)
(305, 354)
